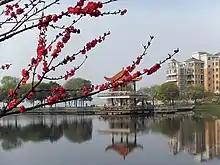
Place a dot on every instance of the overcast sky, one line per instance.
(191, 25)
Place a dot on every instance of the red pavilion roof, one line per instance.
(123, 149)
(120, 76)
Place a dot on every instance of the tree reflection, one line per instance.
(168, 127)
(78, 131)
(75, 130)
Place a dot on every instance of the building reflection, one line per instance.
(198, 137)
(124, 134)
(42, 128)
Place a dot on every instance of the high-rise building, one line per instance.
(187, 73)
(211, 70)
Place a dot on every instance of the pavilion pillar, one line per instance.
(135, 132)
(113, 138)
(112, 101)
(135, 101)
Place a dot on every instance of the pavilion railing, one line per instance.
(120, 93)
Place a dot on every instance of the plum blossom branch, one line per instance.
(77, 10)
(69, 73)
(89, 46)
(91, 8)
(56, 100)
(129, 68)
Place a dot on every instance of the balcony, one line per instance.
(171, 80)
(171, 74)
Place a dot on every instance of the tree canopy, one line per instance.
(195, 92)
(168, 92)
(150, 92)
(75, 84)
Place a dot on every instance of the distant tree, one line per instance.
(8, 83)
(150, 92)
(78, 83)
(168, 92)
(195, 93)
(44, 88)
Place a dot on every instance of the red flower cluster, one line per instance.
(94, 42)
(70, 74)
(44, 22)
(152, 70)
(22, 109)
(30, 95)
(13, 104)
(41, 48)
(68, 59)
(6, 66)
(52, 100)
(85, 91)
(66, 37)
(25, 76)
(124, 12)
(58, 93)
(10, 10)
(12, 93)
(92, 8)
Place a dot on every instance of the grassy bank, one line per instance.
(208, 109)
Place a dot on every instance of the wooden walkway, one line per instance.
(108, 112)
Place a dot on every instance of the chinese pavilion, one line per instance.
(125, 96)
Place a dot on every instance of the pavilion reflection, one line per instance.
(124, 133)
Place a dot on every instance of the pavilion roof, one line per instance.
(120, 76)
(124, 149)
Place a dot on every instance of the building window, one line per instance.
(217, 88)
(216, 82)
(209, 66)
(209, 72)
(209, 78)
(216, 63)
(216, 75)
(208, 58)
(209, 85)
(213, 63)
(216, 69)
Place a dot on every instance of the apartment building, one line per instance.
(211, 70)
(186, 73)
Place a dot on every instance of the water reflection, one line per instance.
(199, 138)
(41, 128)
(124, 132)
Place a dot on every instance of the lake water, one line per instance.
(71, 140)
